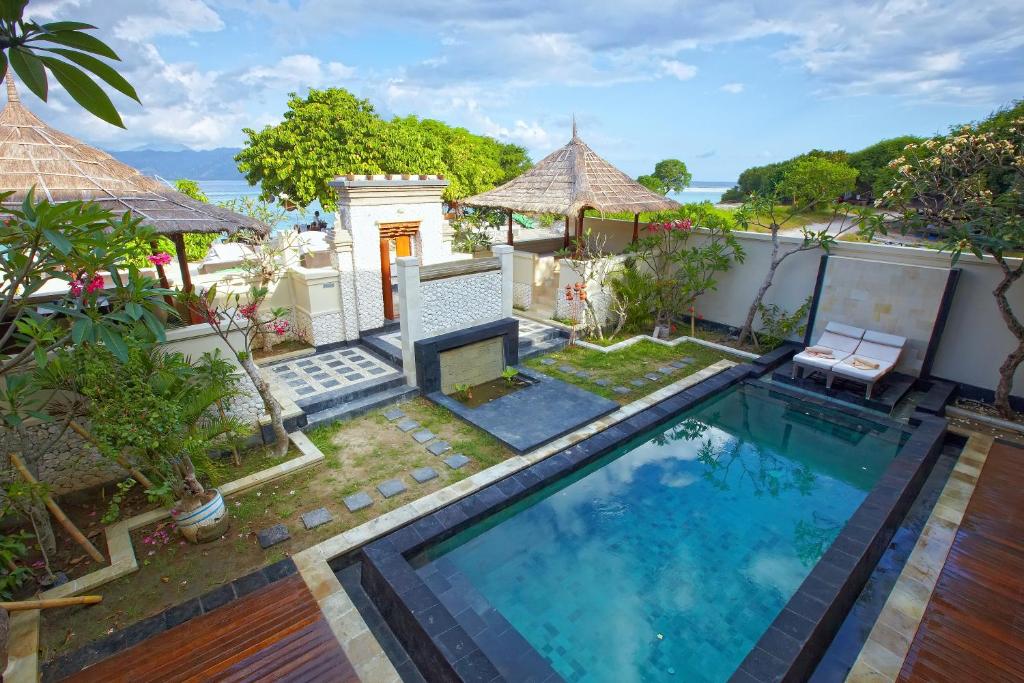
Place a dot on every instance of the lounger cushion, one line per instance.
(838, 342)
(887, 339)
(810, 361)
(878, 352)
(844, 369)
(845, 330)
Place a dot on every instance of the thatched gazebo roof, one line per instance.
(61, 168)
(571, 179)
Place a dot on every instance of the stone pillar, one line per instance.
(409, 312)
(341, 259)
(504, 252)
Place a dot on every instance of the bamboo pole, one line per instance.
(134, 471)
(58, 514)
(51, 602)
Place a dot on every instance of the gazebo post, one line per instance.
(164, 283)
(179, 246)
(509, 239)
(636, 227)
(565, 240)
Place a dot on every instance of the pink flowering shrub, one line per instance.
(160, 259)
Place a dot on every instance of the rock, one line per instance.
(424, 474)
(358, 501)
(456, 461)
(272, 535)
(315, 518)
(392, 487)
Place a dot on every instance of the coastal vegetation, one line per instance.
(332, 132)
(670, 175)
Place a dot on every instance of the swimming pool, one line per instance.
(668, 557)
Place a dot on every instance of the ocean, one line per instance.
(225, 190)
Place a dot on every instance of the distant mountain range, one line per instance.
(213, 164)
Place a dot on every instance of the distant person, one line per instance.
(318, 223)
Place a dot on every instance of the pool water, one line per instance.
(669, 557)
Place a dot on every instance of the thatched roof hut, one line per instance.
(61, 168)
(567, 182)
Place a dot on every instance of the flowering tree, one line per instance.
(811, 185)
(679, 267)
(241, 318)
(969, 186)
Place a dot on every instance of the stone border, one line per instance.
(985, 419)
(887, 646)
(792, 646)
(625, 343)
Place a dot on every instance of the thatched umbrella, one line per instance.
(61, 168)
(569, 181)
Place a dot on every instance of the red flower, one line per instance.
(76, 287)
(95, 284)
(161, 259)
(280, 327)
(248, 311)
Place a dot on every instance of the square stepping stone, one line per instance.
(358, 501)
(272, 535)
(424, 474)
(456, 461)
(583, 374)
(407, 425)
(547, 361)
(439, 447)
(666, 370)
(393, 414)
(638, 382)
(602, 382)
(681, 363)
(423, 436)
(653, 376)
(391, 488)
(621, 390)
(567, 369)
(315, 518)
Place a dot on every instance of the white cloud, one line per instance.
(683, 72)
(732, 88)
(168, 18)
(299, 71)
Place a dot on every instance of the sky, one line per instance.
(720, 85)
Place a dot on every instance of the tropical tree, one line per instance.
(811, 185)
(969, 187)
(652, 183)
(673, 175)
(874, 176)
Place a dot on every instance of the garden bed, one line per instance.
(476, 396)
(620, 368)
(359, 455)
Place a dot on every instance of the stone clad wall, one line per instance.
(462, 301)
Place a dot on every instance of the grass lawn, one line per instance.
(359, 455)
(619, 367)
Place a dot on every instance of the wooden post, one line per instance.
(565, 240)
(58, 514)
(52, 602)
(636, 227)
(509, 241)
(162, 274)
(179, 246)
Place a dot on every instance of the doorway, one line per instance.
(395, 242)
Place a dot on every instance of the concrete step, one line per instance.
(360, 406)
(388, 352)
(327, 400)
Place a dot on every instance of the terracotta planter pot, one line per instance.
(204, 523)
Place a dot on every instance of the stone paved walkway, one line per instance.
(331, 371)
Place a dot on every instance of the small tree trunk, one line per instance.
(270, 403)
(748, 324)
(135, 473)
(1016, 357)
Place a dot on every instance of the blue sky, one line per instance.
(721, 85)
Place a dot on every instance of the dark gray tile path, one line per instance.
(439, 447)
(638, 382)
(315, 518)
(653, 376)
(621, 390)
(272, 535)
(358, 501)
(666, 370)
(681, 363)
(456, 461)
(423, 436)
(407, 425)
(393, 414)
(567, 369)
(392, 487)
(583, 374)
(547, 361)
(602, 382)
(424, 474)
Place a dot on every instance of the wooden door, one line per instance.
(385, 278)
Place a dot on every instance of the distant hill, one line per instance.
(213, 164)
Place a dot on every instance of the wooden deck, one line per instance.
(275, 634)
(973, 627)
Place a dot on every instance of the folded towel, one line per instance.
(864, 364)
(819, 351)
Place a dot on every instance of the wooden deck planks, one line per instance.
(973, 627)
(275, 634)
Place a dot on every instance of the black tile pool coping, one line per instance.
(451, 647)
(534, 415)
(64, 666)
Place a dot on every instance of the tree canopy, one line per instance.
(814, 179)
(332, 132)
(670, 175)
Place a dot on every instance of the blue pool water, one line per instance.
(668, 558)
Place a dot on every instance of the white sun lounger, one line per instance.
(840, 339)
(876, 348)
